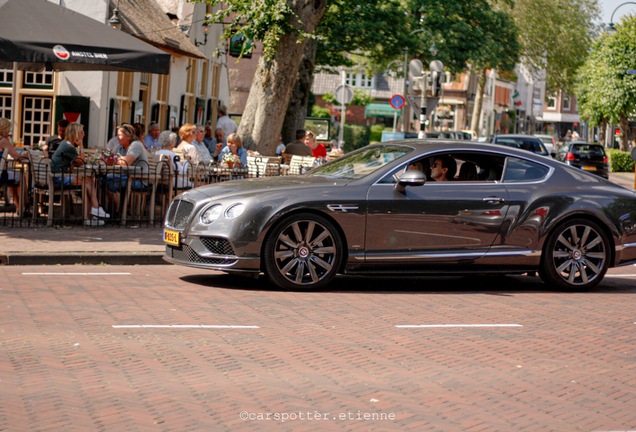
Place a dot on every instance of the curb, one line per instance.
(97, 258)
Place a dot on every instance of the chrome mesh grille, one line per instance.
(186, 253)
(179, 213)
(218, 246)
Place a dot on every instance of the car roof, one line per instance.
(515, 136)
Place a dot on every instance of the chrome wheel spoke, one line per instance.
(305, 252)
(579, 254)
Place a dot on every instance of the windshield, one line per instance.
(361, 162)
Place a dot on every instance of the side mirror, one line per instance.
(410, 178)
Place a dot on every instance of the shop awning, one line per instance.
(379, 109)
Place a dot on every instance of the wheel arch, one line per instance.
(285, 215)
(602, 223)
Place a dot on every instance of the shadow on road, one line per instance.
(490, 284)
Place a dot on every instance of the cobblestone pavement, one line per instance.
(164, 348)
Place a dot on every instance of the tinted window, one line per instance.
(591, 150)
(518, 170)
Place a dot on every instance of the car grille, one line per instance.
(186, 253)
(179, 213)
(218, 246)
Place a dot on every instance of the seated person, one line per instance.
(467, 172)
(136, 155)
(444, 168)
(65, 156)
(9, 177)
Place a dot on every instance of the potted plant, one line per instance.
(230, 159)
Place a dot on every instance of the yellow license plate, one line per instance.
(171, 237)
(589, 168)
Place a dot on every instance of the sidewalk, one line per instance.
(129, 246)
(80, 245)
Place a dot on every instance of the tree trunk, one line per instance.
(624, 120)
(479, 100)
(298, 103)
(603, 133)
(273, 82)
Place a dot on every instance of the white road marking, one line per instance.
(75, 274)
(186, 326)
(455, 325)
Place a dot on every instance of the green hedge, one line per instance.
(376, 133)
(620, 161)
(355, 136)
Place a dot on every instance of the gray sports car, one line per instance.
(377, 211)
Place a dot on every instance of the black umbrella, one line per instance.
(37, 34)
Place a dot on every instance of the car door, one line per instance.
(436, 222)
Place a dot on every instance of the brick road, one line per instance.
(559, 361)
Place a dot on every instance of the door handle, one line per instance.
(493, 200)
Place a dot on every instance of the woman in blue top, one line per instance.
(64, 158)
(234, 146)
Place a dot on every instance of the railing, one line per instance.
(32, 195)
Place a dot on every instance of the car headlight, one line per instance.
(235, 211)
(211, 214)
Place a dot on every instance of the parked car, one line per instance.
(455, 135)
(586, 156)
(548, 142)
(368, 213)
(524, 142)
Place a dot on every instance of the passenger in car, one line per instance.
(444, 168)
(467, 172)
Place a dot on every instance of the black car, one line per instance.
(586, 156)
(374, 212)
(524, 142)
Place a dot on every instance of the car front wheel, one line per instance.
(576, 256)
(303, 251)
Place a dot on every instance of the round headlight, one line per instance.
(235, 211)
(211, 214)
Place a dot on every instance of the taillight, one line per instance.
(569, 156)
(605, 159)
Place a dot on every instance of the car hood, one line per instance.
(261, 185)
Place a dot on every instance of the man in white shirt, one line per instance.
(224, 122)
(204, 154)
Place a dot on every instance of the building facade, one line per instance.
(196, 85)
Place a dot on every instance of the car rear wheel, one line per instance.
(303, 251)
(576, 256)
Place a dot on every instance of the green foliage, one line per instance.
(361, 31)
(320, 112)
(263, 20)
(376, 133)
(360, 97)
(620, 161)
(604, 89)
(465, 32)
(555, 36)
(355, 136)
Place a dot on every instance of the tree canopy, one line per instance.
(605, 87)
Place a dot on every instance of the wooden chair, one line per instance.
(268, 166)
(172, 181)
(141, 200)
(43, 186)
(298, 162)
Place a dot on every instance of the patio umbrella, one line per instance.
(37, 34)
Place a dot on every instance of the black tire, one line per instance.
(576, 256)
(303, 252)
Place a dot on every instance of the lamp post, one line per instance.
(610, 26)
(405, 67)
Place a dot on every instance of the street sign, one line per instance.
(397, 101)
(631, 71)
(344, 94)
